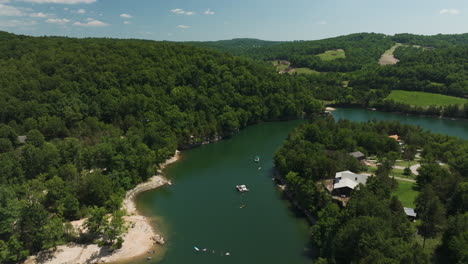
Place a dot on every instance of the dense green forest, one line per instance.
(238, 46)
(99, 115)
(435, 64)
(84, 120)
(372, 228)
(361, 49)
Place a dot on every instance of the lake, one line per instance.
(203, 209)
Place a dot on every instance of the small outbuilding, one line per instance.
(358, 155)
(410, 213)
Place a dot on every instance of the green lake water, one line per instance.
(458, 128)
(202, 207)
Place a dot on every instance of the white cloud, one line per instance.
(323, 22)
(183, 26)
(57, 20)
(17, 23)
(89, 19)
(67, 2)
(209, 12)
(126, 22)
(93, 23)
(179, 11)
(6, 10)
(81, 11)
(450, 11)
(66, 9)
(39, 15)
(125, 16)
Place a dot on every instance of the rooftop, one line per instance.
(357, 154)
(409, 211)
(395, 137)
(349, 179)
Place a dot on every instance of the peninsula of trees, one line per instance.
(373, 228)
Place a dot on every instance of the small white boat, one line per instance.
(196, 249)
(242, 188)
(256, 159)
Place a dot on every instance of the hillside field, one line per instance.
(332, 55)
(423, 98)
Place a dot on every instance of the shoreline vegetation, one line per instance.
(315, 152)
(140, 238)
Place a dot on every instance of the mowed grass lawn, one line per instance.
(281, 67)
(424, 99)
(406, 194)
(332, 55)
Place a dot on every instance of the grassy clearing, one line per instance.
(305, 71)
(281, 67)
(431, 243)
(332, 55)
(392, 49)
(406, 193)
(406, 163)
(424, 99)
(400, 173)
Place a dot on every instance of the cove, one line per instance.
(458, 128)
(202, 207)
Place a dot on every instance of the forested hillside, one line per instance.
(99, 115)
(238, 47)
(440, 70)
(434, 41)
(372, 228)
(434, 64)
(361, 49)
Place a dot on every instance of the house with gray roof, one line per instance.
(346, 181)
(358, 155)
(410, 213)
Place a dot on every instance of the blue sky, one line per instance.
(180, 20)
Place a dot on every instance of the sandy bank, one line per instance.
(328, 108)
(138, 241)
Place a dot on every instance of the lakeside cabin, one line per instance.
(346, 181)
